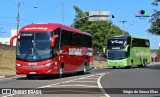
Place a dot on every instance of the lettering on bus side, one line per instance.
(75, 51)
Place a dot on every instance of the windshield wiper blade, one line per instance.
(35, 51)
(26, 56)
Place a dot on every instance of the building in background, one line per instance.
(155, 56)
(6, 40)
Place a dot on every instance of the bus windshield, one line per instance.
(116, 54)
(34, 46)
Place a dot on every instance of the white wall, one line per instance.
(6, 40)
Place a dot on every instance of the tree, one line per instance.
(155, 20)
(100, 30)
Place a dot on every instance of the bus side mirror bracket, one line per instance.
(53, 40)
(126, 48)
(12, 39)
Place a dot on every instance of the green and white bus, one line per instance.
(127, 51)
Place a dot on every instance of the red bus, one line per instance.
(52, 49)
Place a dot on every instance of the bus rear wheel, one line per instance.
(144, 63)
(84, 69)
(60, 75)
(29, 76)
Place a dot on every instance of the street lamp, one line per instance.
(18, 15)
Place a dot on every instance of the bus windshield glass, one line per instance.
(34, 46)
(116, 54)
(117, 43)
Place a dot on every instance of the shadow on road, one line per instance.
(51, 77)
(156, 67)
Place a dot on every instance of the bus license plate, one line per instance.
(32, 72)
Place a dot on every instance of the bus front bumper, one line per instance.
(42, 70)
(117, 63)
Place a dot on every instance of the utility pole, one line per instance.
(123, 25)
(62, 12)
(18, 16)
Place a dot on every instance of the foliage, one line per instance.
(100, 30)
(155, 20)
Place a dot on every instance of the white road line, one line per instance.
(90, 78)
(57, 83)
(86, 81)
(66, 81)
(100, 86)
(75, 85)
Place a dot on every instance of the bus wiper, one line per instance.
(26, 56)
(35, 52)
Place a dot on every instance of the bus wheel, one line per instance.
(114, 67)
(132, 64)
(144, 63)
(29, 76)
(84, 69)
(61, 72)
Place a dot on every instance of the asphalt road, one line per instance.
(116, 82)
(139, 82)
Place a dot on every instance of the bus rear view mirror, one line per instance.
(53, 40)
(12, 39)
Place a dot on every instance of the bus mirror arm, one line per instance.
(53, 40)
(126, 48)
(12, 39)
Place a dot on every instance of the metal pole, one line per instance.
(18, 17)
(123, 25)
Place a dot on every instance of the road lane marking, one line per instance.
(85, 81)
(51, 85)
(66, 81)
(75, 85)
(100, 86)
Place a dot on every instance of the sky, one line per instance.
(50, 11)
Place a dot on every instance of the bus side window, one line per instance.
(65, 38)
(56, 47)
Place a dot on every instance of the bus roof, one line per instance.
(125, 36)
(49, 27)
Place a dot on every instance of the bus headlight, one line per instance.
(49, 64)
(19, 65)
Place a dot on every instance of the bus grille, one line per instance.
(32, 66)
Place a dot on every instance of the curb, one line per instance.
(7, 76)
(2, 77)
(98, 67)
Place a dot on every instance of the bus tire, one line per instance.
(144, 63)
(114, 67)
(29, 76)
(131, 66)
(84, 69)
(60, 75)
